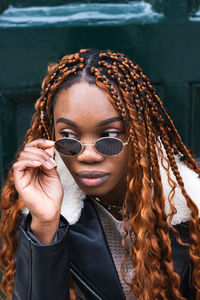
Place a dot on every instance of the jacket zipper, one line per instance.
(86, 286)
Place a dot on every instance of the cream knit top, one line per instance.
(114, 232)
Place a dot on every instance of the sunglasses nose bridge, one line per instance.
(88, 144)
(91, 144)
(89, 154)
(84, 145)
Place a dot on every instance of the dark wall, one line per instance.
(163, 38)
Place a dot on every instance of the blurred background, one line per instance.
(163, 36)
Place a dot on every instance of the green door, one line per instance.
(163, 36)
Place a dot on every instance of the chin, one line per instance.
(94, 186)
(95, 191)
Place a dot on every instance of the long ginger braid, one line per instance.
(194, 225)
(11, 205)
(113, 70)
(146, 195)
(150, 130)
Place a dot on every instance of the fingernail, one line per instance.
(49, 142)
(53, 161)
(49, 164)
(36, 162)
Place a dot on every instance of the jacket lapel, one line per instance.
(91, 259)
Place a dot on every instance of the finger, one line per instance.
(21, 166)
(49, 151)
(46, 153)
(41, 143)
(38, 155)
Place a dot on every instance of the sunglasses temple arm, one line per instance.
(126, 143)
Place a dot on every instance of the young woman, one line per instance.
(126, 226)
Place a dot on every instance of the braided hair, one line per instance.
(151, 130)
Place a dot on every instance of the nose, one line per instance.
(89, 154)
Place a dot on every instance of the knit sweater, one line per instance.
(114, 233)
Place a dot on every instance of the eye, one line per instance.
(112, 133)
(68, 134)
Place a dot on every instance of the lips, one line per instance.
(92, 178)
(91, 174)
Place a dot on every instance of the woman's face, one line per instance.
(84, 112)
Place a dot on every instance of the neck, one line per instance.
(115, 209)
(114, 197)
(113, 201)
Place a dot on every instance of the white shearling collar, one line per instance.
(192, 186)
(73, 200)
(73, 195)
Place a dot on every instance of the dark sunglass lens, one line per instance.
(109, 146)
(68, 147)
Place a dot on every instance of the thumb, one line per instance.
(51, 151)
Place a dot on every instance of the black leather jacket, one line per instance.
(82, 254)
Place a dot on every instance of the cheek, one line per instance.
(69, 162)
(120, 164)
(124, 158)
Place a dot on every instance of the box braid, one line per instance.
(194, 224)
(122, 83)
(67, 67)
(150, 129)
(159, 112)
(155, 109)
(11, 205)
(160, 108)
(150, 135)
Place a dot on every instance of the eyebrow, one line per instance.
(100, 124)
(108, 121)
(66, 121)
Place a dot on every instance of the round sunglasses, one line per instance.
(106, 146)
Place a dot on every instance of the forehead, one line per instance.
(83, 101)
